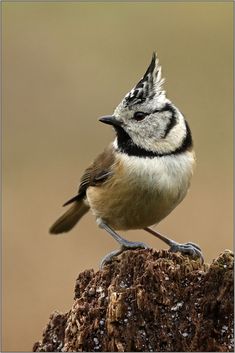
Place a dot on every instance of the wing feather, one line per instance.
(96, 174)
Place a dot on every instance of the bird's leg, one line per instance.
(125, 244)
(190, 249)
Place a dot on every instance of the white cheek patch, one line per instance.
(174, 138)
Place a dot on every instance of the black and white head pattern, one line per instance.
(149, 87)
(149, 124)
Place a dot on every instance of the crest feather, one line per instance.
(149, 86)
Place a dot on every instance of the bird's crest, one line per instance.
(149, 87)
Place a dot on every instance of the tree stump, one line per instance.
(147, 300)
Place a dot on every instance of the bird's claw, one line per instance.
(133, 245)
(189, 248)
(126, 246)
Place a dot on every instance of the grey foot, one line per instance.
(128, 245)
(190, 249)
(125, 244)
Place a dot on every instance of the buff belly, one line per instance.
(138, 208)
(139, 194)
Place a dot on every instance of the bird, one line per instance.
(143, 174)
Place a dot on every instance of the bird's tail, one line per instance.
(68, 220)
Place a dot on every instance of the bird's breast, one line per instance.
(142, 191)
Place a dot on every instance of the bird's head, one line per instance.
(146, 120)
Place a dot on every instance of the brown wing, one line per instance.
(96, 174)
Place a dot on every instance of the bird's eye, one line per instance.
(138, 116)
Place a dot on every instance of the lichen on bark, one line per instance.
(147, 300)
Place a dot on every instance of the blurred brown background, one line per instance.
(66, 64)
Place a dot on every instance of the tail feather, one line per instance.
(70, 218)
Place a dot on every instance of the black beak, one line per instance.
(110, 120)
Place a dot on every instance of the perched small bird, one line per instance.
(143, 174)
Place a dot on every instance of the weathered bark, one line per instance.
(148, 300)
